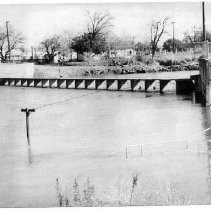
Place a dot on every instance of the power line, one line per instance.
(186, 140)
(68, 99)
(28, 112)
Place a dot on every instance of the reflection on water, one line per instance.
(30, 155)
(207, 123)
(87, 137)
(209, 170)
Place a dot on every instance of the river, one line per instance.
(87, 137)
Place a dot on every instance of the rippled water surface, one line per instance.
(89, 136)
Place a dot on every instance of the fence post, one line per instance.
(141, 151)
(126, 152)
(204, 71)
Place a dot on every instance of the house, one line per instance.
(17, 56)
(122, 53)
(71, 56)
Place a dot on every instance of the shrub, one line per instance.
(117, 70)
(165, 62)
(79, 195)
(150, 193)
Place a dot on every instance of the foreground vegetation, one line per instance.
(87, 194)
(181, 61)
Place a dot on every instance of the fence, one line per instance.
(155, 149)
(190, 144)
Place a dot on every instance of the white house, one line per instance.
(70, 56)
(125, 53)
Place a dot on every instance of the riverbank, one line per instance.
(52, 71)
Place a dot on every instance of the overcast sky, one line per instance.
(130, 19)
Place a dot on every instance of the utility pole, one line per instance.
(152, 26)
(32, 51)
(173, 37)
(27, 111)
(8, 40)
(109, 49)
(133, 47)
(203, 22)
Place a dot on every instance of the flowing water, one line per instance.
(106, 136)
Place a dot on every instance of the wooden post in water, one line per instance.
(204, 83)
(126, 152)
(141, 151)
(27, 111)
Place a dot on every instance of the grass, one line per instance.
(170, 58)
(178, 58)
(134, 184)
(85, 194)
(69, 71)
(78, 195)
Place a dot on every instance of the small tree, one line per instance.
(142, 50)
(94, 40)
(80, 44)
(51, 47)
(168, 45)
(158, 28)
(16, 40)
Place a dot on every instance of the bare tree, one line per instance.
(99, 22)
(98, 28)
(16, 40)
(51, 47)
(158, 28)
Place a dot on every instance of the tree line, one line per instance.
(97, 39)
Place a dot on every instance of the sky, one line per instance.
(37, 21)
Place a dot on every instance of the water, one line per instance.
(87, 137)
